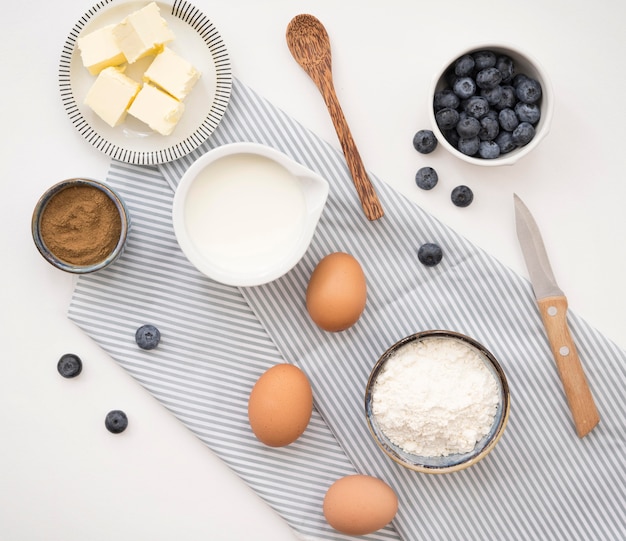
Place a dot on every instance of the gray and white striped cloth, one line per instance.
(541, 482)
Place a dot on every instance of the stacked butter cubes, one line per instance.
(158, 99)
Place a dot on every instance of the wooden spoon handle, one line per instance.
(554, 314)
(367, 195)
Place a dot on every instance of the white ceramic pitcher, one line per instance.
(244, 214)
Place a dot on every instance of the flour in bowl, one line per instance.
(435, 397)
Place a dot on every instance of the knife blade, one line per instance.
(553, 306)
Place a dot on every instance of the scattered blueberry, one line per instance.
(116, 421)
(147, 337)
(424, 141)
(426, 178)
(462, 196)
(430, 254)
(492, 90)
(69, 365)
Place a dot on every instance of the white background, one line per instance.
(62, 475)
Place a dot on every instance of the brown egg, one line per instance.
(337, 292)
(359, 504)
(280, 405)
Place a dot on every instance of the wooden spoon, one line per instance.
(309, 44)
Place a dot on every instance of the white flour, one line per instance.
(435, 397)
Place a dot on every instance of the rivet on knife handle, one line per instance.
(584, 412)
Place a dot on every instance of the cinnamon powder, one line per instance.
(81, 225)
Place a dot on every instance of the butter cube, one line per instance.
(157, 109)
(111, 94)
(172, 73)
(99, 50)
(142, 33)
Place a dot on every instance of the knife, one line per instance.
(552, 305)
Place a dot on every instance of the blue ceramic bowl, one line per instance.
(452, 462)
(53, 259)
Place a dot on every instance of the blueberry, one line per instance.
(528, 91)
(464, 87)
(468, 127)
(508, 119)
(508, 99)
(476, 106)
(488, 78)
(445, 98)
(464, 66)
(450, 77)
(452, 136)
(462, 196)
(424, 141)
(116, 421)
(430, 254)
(519, 78)
(147, 337)
(492, 95)
(506, 66)
(489, 128)
(69, 365)
(523, 134)
(469, 146)
(488, 150)
(528, 112)
(492, 114)
(505, 141)
(426, 178)
(447, 118)
(484, 59)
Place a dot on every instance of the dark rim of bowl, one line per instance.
(488, 443)
(59, 263)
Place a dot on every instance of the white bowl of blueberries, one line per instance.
(491, 105)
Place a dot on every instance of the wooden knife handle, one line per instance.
(554, 314)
